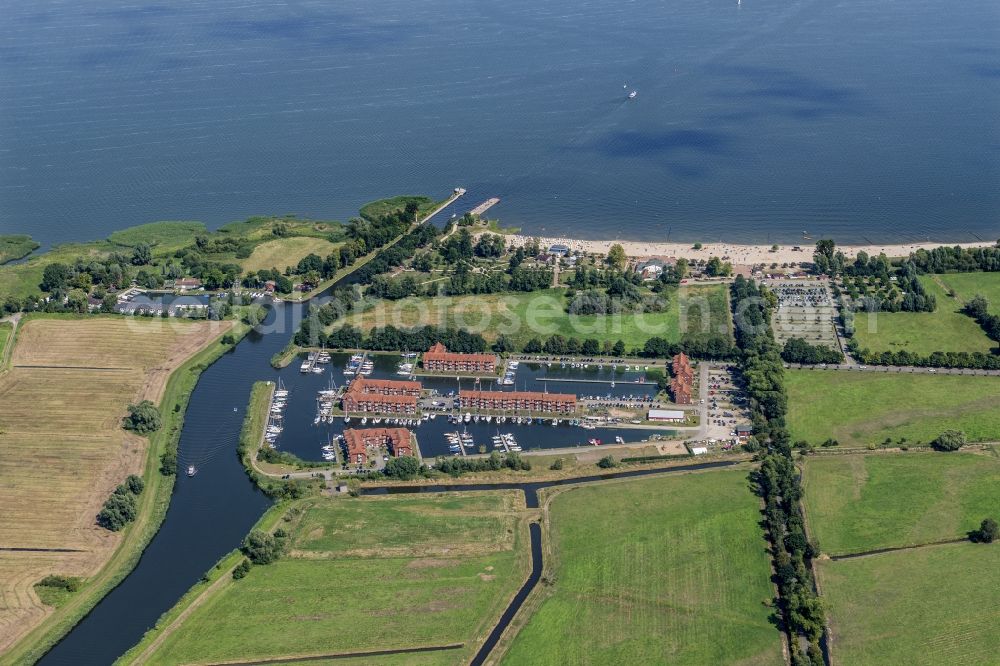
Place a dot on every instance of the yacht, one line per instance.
(632, 94)
(192, 470)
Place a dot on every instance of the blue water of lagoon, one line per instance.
(753, 122)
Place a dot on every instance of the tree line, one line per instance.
(776, 479)
(797, 350)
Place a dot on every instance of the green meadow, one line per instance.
(162, 236)
(923, 607)
(857, 503)
(663, 570)
(946, 329)
(522, 316)
(968, 285)
(861, 408)
(371, 573)
(16, 246)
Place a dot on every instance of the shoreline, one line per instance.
(734, 252)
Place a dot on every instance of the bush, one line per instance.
(168, 463)
(988, 532)
(263, 548)
(607, 462)
(143, 418)
(557, 464)
(119, 510)
(403, 468)
(949, 440)
(135, 484)
(242, 569)
(67, 583)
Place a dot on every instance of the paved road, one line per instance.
(894, 369)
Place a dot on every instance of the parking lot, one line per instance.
(805, 310)
(725, 404)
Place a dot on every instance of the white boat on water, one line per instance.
(192, 470)
(632, 94)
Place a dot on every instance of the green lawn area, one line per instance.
(16, 246)
(282, 252)
(369, 574)
(663, 570)
(523, 316)
(968, 285)
(934, 605)
(946, 329)
(861, 408)
(857, 503)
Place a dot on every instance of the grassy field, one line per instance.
(376, 209)
(861, 408)
(6, 328)
(968, 285)
(282, 252)
(15, 246)
(858, 503)
(934, 605)
(22, 279)
(946, 329)
(60, 409)
(669, 570)
(541, 314)
(365, 574)
(162, 236)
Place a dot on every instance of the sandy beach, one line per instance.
(737, 254)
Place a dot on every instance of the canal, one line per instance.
(210, 513)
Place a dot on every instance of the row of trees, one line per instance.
(957, 259)
(978, 309)
(458, 465)
(902, 357)
(777, 479)
(120, 509)
(797, 350)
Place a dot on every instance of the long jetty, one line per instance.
(485, 206)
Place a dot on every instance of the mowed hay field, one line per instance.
(283, 252)
(933, 605)
(861, 408)
(946, 329)
(523, 316)
(663, 570)
(62, 449)
(858, 503)
(370, 573)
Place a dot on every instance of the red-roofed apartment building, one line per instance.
(530, 401)
(381, 396)
(683, 380)
(439, 359)
(399, 441)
